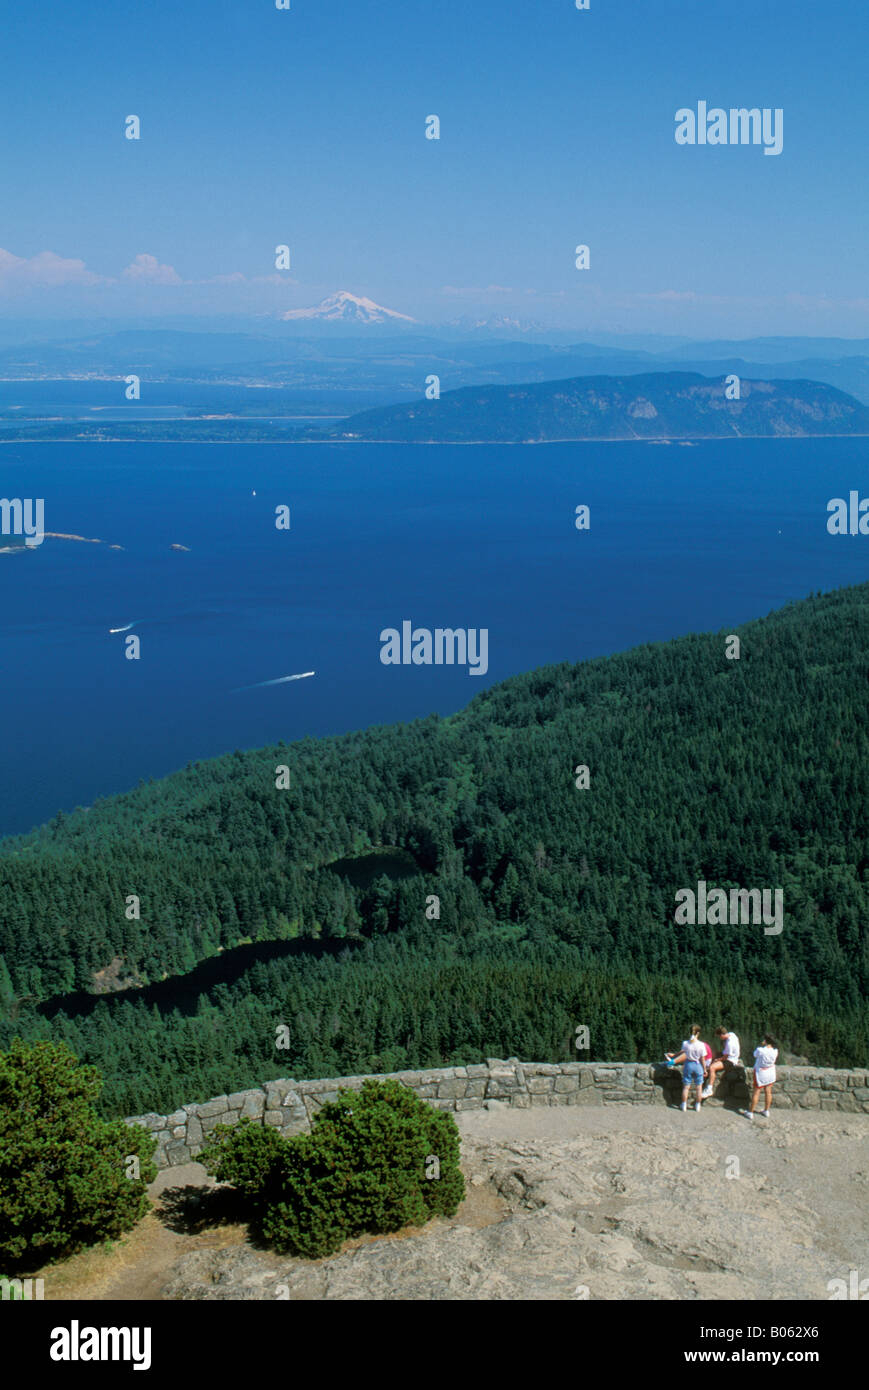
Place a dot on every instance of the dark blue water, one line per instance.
(682, 539)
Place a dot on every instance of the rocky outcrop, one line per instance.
(601, 1203)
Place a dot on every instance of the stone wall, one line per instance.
(289, 1105)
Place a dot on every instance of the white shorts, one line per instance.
(764, 1076)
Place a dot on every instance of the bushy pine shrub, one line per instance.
(64, 1180)
(375, 1160)
(244, 1155)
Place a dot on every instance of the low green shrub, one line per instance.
(244, 1155)
(375, 1160)
(64, 1180)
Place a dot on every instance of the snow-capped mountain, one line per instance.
(347, 308)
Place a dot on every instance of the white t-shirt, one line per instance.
(694, 1050)
(731, 1047)
(764, 1065)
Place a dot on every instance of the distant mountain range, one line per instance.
(498, 326)
(350, 355)
(359, 350)
(660, 405)
(356, 311)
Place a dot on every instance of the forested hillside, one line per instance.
(556, 904)
(655, 405)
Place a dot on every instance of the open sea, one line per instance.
(682, 539)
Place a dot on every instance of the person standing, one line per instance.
(693, 1057)
(765, 1058)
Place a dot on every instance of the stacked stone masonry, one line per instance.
(290, 1105)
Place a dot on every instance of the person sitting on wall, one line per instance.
(725, 1060)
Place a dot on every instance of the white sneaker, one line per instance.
(765, 1114)
(748, 1114)
(706, 1092)
(684, 1105)
(697, 1106)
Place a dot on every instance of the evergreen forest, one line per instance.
(440, 891)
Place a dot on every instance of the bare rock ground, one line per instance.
(597, 1203)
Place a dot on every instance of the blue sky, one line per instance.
(306, 127)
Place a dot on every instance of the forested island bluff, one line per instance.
(655, 405)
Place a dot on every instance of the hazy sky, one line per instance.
(307, 127)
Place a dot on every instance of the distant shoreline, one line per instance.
(62, 536)
(455, 443)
